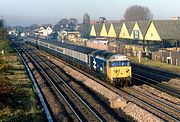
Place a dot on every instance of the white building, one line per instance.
(44, 31)
(12, 32)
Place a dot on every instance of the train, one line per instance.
(111, 67)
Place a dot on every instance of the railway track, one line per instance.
(80, 108)
(155, 77)
(154, 70)
(156, 84)
(172, 113)
(164, 115)
(51, 96)
(41, 98)
(95, 101)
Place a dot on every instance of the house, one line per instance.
(160, 30)
(103, 32)
(96, 30)
(92, 31)
(124, 33)
(44, 31)
(12, 32)
(139, 30)
(114, 29)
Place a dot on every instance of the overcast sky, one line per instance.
(26, 12)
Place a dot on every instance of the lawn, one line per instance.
(18, 100)
(157, 64)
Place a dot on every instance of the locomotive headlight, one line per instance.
(127, 70)
(117, 71)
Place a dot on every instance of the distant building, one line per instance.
(102, 19)
(22, 34)
(69, 35)
(175, 18)
(12, 32)
(43, 31)
(93, 22)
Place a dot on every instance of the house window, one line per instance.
(151, 34)
(136, 34)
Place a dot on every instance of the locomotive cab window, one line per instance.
(119, 63)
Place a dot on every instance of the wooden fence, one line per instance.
(166, 56)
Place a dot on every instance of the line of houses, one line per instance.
(159, 39)
(162, 33)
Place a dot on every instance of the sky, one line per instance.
(27, 12)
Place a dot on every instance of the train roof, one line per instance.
(82, 49)
(108, 55)
(102, 53)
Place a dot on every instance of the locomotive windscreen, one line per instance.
(119, 63)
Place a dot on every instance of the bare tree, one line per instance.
(72, 24)
(3, 31)
(86, 19)
(85, 26)
(61, 25)
(136, 13)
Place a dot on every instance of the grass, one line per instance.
(157, 64)
(18, 100)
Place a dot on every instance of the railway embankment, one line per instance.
(18, 100)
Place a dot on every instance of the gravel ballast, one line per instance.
(138, 113)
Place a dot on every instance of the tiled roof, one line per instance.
(129, 26)
(143, 25)
(107, 25)
(98, 27)
(167, 29)
(117, 27)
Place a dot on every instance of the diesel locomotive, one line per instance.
(111, 67)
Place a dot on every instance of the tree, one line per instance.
(86, 19)
(3, 31)
(1, 23)
(73, 21)
(136, 13)
(85, 26)
(32, 27)
(72, 24)
(66, 24)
